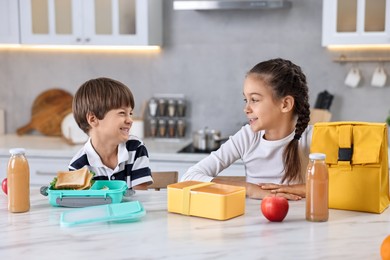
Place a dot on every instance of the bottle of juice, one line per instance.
(18, 177)
(317, 179)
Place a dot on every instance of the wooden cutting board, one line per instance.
(48, 111)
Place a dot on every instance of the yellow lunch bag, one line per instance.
(358, 163)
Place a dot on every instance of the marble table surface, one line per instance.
(37, 234)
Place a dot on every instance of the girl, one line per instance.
(274, 146)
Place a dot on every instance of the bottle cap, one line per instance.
(17, 151)
(317, 156)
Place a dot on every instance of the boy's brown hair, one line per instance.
(98, 96)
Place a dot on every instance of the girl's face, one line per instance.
(261, 109)
(116, 124)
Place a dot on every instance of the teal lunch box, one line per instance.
(101, 192)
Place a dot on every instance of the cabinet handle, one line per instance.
(46, 173)
(78, 39)
(87, 40)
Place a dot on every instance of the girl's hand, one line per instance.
(260, 191)
(254, 191)
(297, 191)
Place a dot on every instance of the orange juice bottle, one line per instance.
(317, 181)
(18, 180)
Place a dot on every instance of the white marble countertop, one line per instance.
(57, 147)
(37, 234)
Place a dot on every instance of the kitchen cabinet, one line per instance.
(9, 23)
(91, 22)
(42, 169)
(353, 22)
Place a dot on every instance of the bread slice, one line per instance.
(73, 179)
(87, 182)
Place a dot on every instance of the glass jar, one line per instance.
(181, 108)
(162, 103)
(153, 127)
(171, 107)
(181, 128)
(162, 127)
(171, 128)
(317, 182)
(18, 181)
(152, 107)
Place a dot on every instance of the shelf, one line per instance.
(230, 4)
(344, 58)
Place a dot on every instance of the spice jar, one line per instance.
(181, 108)
(152, 107)
(162, 103)
(171, 107)
(171, 128)
(153, 127)
(181, 128)
(162, 127)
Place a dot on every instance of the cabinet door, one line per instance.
(43, 170)
(9, 23)
(51, 22)
(355, 22)
(123, 22)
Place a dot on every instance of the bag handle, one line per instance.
(345, 145)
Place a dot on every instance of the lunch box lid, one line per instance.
(118, 212)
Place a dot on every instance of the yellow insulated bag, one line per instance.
(356, 154)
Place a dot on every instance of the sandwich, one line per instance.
(73, 180)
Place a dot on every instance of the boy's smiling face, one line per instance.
(115, 126)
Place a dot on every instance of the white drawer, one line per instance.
(43, 170)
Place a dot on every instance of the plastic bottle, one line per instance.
(317, 181)
(18, 177)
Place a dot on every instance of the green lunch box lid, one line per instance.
(119, 212)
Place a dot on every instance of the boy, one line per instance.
(103, 108)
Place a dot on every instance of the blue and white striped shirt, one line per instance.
(133, 163)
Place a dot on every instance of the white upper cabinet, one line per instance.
(91, 22)
(352, 22)
(9, 23)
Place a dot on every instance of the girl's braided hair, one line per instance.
(287, 79)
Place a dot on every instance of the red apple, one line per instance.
(274, 208)
(4, 186)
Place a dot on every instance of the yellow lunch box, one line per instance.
(206, 199)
